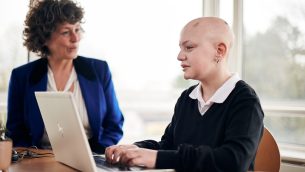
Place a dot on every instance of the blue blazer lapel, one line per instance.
(37, 82)
(90, 89)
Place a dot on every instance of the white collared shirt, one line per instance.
(219, 96)
(51, 86)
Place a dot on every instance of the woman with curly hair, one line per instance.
(53, 31)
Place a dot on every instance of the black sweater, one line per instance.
(225, 138)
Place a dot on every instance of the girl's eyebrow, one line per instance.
(183, 43)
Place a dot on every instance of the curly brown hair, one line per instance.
(43, 19)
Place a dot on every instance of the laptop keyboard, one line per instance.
(101, 163)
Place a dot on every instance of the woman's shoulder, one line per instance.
(91, 67)
(90, 59)
(30, 65)
(91, 62)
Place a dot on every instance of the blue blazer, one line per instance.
(24, 123)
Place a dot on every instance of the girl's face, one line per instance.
(197, 54)
(64, 41)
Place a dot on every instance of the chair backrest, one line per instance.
(268, 155)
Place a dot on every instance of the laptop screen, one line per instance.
(65, 131)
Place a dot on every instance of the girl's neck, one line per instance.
(211, 85)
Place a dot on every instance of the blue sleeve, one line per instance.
(113, 121)
(17, 129)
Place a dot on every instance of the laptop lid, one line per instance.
(65, 130)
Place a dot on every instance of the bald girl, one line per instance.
(217, 123)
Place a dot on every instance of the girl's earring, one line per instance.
(217, 59)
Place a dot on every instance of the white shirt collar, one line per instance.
(221, 93)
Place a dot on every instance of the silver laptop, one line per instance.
(66, 133)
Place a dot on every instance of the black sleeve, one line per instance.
(243, 131)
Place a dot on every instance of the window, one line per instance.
(12, 52)
(274, 63)
(269, 35)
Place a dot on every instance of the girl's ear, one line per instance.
(221, 49)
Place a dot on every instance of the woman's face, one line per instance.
(64, 41)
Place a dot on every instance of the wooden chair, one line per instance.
(268, 155)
